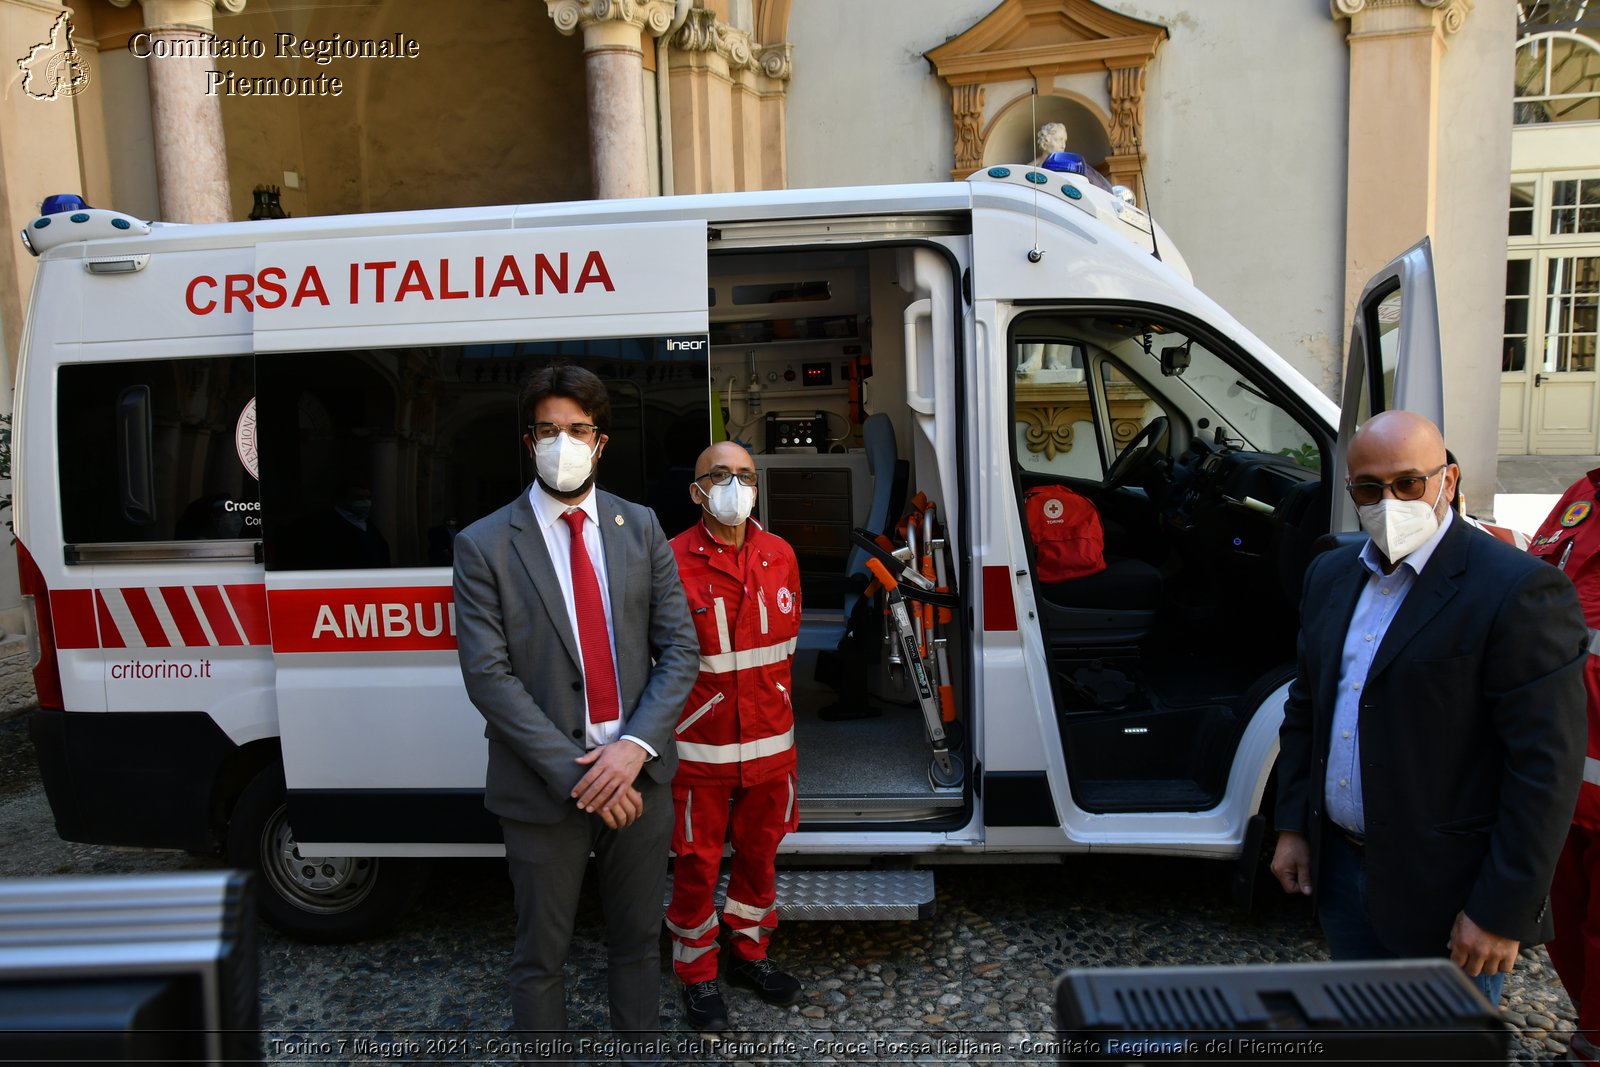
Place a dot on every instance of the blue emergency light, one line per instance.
(1073, 163)
(62, 202)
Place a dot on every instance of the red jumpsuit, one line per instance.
(736, 759)
(1570, 539)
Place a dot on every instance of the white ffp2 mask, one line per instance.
(1400, 527)
(730, 504)
(564, 464)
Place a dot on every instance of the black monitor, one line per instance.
(157, 968)
(1392, 1011)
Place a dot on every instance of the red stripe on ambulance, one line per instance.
(184, 616)
(168, 616)
(72, 618)
(395, 619)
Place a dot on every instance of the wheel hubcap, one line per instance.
(326, 884)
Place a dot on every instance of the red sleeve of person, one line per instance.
(1569, 539)
(1068, 539)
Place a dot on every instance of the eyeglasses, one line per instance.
(1411, 487)
(724, 477)
(578, 431)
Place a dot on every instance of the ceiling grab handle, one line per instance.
(915, 313)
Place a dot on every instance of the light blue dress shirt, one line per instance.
(1376, 608)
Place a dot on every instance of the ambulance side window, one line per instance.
(379, 457)
(157, 451)
(1054, 416)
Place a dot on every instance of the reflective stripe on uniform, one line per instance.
(757, 915)
(1591, 770)
(688, 821)
(788, 808)
(764, 656)
(737, 753)
(699, 931)
(761, 602)
(682, 953)
(694, 718)
(1594, 642)
(721, 607)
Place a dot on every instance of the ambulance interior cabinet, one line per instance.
(813, 501)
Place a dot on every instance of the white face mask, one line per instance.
(1400, 527)
(563, 463)
(730, 504)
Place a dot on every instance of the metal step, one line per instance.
(843, 894)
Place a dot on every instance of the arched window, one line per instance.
(1558, 79)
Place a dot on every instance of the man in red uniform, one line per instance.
(1570, 539)
(736, 760)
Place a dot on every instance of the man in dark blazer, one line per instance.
(1433, 739)
(563, 599)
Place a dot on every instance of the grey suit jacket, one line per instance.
(521, 662)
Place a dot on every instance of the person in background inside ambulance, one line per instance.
(736, 757)
(1570, 541)
(346, 536)
(577, 648)
(1432, 739)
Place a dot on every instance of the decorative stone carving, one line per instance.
(197, 13)
(1127, 110)
(966, 101)
(1049, 427)
(1451, 14)
(776, 60)
(698, 32)
(703, 33)
(647, 16)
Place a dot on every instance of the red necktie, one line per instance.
(599, 674)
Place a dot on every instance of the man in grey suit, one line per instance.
(563, 599)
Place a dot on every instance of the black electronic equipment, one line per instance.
(789, 432)
(157, 968)
(1389, 1011)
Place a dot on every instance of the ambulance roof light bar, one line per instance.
(66, 217)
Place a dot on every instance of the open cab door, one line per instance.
(1395, 360)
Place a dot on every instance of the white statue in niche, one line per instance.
(1052, 137)
(1049, 362)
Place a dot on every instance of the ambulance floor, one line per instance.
(874, 765)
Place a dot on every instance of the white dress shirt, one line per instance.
(558, 539)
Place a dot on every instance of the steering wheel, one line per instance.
(1139, 455)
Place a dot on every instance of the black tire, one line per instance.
(322, 900)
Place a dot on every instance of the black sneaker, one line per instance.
(763, 976)
(704, 1007)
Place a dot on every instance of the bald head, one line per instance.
(724, 458)
(1398, 444)
(724, 455)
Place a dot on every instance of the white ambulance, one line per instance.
(242, 452)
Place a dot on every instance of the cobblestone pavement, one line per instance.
(981, 971)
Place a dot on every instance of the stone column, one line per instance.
(613, 49)
(1396, 48)
(191, 154)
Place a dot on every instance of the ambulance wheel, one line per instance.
(942, 780)
(326, 899)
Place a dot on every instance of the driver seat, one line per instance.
(1114, 607)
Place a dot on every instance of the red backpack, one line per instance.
(1068, 539)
